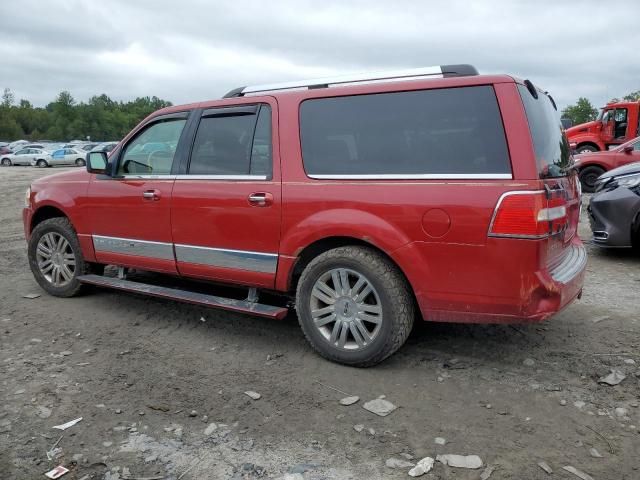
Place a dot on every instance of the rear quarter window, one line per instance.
(553, 154)
(454, 132)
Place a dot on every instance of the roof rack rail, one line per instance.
(439, 71)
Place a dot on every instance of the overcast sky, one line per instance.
(192, 50)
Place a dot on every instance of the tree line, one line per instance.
(583, 111)
(101, 118)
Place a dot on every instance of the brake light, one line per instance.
(528, 214)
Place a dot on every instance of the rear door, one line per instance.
(226, 207)
(130, 212)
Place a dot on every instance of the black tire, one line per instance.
(42, 163)
(5, 162)
(80, 162)
(62, 227)
(586, 149)
(588, 177)
(395, 297)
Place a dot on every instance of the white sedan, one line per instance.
(26, 156)
(62, 156)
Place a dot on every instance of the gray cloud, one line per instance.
(194, 49)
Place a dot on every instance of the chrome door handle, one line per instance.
(151, 195)
(260, 199)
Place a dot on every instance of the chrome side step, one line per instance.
(240, 306)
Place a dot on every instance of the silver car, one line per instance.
(62, 156)
(26, 156)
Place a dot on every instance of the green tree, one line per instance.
(583, 111)
(632, 97)
(7, 98)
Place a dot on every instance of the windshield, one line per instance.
(553, 154)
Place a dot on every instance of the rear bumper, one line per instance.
(513, 288)
(611, 215)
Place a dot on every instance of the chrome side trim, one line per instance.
(225, 258)
(127, 246)
(194, 177)
(573, 262)
(417, 176)
(220, 177)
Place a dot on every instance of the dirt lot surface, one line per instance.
(159, 386)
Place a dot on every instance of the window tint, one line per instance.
(551, 146)
(443, 131)
(233, 145)
(152, 151)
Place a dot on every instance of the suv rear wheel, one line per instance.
(55, 257)
(354, 306)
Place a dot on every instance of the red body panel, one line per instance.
(435, 230)
(609, 159)
(602, 136)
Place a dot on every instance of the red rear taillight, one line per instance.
(528, 214)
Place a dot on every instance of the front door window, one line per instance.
(152, 151)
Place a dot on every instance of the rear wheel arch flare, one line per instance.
(322, 245)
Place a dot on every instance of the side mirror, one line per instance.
(628, 149)
(97, 162)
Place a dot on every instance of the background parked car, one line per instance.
(614, 210)
(5, 150)
(591, 165)
(63, 156)
(104, 147)
(25, 156)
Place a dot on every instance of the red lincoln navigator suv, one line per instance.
(370, 199)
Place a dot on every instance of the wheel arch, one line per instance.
(591, 143)
(45, 212)
(311, 251)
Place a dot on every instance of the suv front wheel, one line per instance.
(55, 257)
(354, 306)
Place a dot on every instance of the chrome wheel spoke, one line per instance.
(323, 297)
(321, 322)
(356, 335)
(343, 335)
(46, 267)
(366, 308)
(368, 318)
(362, 330)
(335, 332)
(43, 250)
(364, 293)
(66, 273)
(323, 311)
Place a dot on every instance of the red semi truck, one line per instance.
(616, 124)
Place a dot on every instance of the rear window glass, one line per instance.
(553, 154)
(453, 131)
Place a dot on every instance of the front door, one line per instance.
(226, 208)
(130, 211)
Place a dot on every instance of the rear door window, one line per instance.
(235, 144)
(439, 133)
(553, 154)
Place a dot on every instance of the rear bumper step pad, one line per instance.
(240, 306)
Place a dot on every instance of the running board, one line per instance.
(240, 306)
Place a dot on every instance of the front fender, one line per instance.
(587, 138)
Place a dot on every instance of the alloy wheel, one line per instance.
(56, 259)
(346, 309)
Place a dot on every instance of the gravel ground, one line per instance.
(159, 386)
